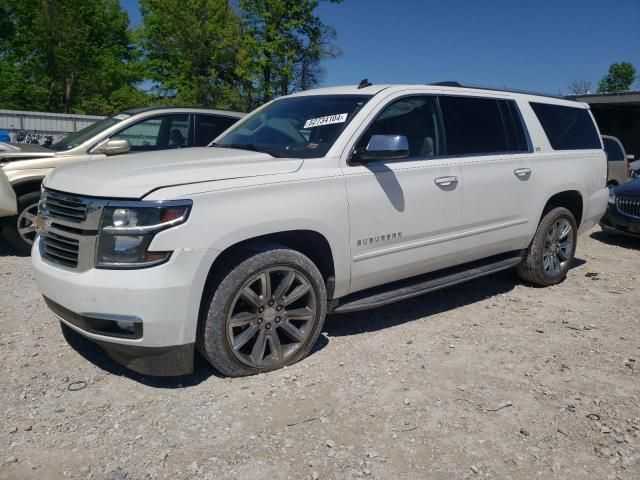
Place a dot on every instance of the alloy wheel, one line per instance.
(271, 317)
(26, 223)
(558, 247)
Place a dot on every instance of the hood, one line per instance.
(133, 176)
(24, 151)
(629, 189)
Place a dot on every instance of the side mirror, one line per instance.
(116, 147)
(385, 147)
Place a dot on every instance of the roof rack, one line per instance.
(450, 83)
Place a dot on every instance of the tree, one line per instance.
(284, 43)
(191, 49)
(619, 79)
(580, 87)
(66, 55)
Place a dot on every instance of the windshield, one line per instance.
(72, 140)
(296, 127)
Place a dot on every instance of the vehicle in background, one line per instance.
(617, 165)
(8, 205)
(623, 212)
(137, 130)
(331, 200)
(7, 147)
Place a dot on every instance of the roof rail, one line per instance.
(510, 90)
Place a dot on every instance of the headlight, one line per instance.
(127, 229)
(612, 195)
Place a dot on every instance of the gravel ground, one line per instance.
(490, 379)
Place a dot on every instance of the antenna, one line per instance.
(364, 83)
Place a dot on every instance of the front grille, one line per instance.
(69, 229)
(629, 206)
(60, 249)
(65, 207)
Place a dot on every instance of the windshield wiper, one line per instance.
(247, 146)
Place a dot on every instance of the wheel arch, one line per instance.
(22, 187)
(308, 242)
(569, 199)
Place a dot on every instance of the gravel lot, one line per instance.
(491, 379)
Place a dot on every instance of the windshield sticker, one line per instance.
(121, 116)
(328, 120)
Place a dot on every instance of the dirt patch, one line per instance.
(490, 379)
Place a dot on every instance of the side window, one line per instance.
(474, 125)
(516, 137)
(414, 117)
(567, 128)
(209, 127)
(613, 150)
(157, 133)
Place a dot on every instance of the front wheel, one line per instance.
(265, 313)
(20, 230)
(549, 257)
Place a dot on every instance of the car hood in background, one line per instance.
(133, 176)
(629, 189)
(24, 151)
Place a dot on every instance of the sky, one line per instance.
(540, 45)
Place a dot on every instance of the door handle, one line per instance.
(446, 181)
(522, 172)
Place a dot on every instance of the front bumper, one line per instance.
(615, 222)
(157, 308)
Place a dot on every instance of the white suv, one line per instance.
(326, 201)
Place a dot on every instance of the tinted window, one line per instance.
(157, 133)
(567, 128)
(416, 118)
(209, 127)
(473, 125)
(516, 137)
(613, 150)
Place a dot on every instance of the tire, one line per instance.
(540, 266)
(19, 230)
(238, 309)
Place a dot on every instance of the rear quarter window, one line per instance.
(567, 128)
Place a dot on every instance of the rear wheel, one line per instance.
(20, 230)
(265, 313)
(552, 249)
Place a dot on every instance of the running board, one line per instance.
(403, 290)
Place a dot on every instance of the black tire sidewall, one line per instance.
(533, 263)
(212, 335)
(10, 224)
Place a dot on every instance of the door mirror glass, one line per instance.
(116, 147)
(385, 147)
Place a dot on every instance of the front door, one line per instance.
(404, 214)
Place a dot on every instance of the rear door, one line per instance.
(487, 135)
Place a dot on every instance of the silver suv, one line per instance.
(137, 130)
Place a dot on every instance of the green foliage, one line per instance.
(67, 55)
(80, 55)
(283, 44)
(619, 79)
(190, 50)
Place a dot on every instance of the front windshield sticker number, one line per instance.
(328, 120)
(121, 116)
